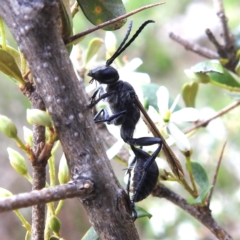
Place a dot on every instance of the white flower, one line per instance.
(168, 118)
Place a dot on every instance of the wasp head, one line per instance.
(104, 74)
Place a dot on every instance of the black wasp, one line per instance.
(125, 112)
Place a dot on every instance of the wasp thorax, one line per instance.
(104, 74)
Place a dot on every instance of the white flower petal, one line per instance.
(114, 130)
(175, 103)
(185, 115)
(163, 98)
(134, 78)
(153, 114)
(113, 151)
(216, 127)
(170, 141)
(180, 138)
(110, 42)
(89, 88)
(141, 129)
(133, 64)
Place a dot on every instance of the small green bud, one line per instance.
(39, 117)
(5, 193)
(224, 61)
(54, 224)
(7, 127)
(17, 161)
(28, 135)
(63, 172)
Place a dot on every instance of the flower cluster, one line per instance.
(167, 118)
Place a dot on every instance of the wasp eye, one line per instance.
(105, 74)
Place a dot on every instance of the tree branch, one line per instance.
(218, 114)
(227, 51)
(102, 25)
(76, 188)
(202, 214)
(39, 169)
(34, 25)
(202, 51)
(221, 14)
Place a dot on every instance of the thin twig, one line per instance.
(202, 214)
(26, 74)
(221, 14)
(202, 51)
(216, 174)
(70, 190)
(229, 47)
(218, 114)
(102, 25)
(220, 49)
(226, 51)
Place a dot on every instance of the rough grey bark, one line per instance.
(34, 26)
(39, 169)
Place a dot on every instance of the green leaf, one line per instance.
(10, 67)
(207, 67)
(90, 235)
(92, 49)
(66, 22)
(98, 12)
(237, 68)
(150, 97)
(66, 18)
(202, 196)
(200, 175)
(189, 93)
(142, 212)
(15, 54)
(149, 94)
(212, 71)
(54, 238)
(199, 71)
(225, 80)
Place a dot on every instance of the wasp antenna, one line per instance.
(111, 59)
(122, 47)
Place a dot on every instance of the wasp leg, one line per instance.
(145, 175)
(105, 95)
(106, 117)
